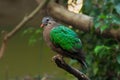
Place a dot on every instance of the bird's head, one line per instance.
(45, 21)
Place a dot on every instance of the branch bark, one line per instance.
(7, 36)
(62, 64)
(80, 21)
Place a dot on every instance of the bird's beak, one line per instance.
(42, 25)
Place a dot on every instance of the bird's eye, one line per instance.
(47, 20)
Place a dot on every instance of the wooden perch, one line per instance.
(20, 25)
(61, 63)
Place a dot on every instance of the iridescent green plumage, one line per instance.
(66, 38)
(63, 40)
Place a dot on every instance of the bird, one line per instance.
(63, 40)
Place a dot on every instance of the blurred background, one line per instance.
(27, 57)
(22, 59)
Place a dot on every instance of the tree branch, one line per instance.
(61, 63)
(80, 21)
(20, 25)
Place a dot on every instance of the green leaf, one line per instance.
(37, 31)
(32, 41)
(97, 25)
(104, 27)
(27, 31)
(116, 20)
(116, 46)
(117, 7)
(118, 58)
(101, 50)
(95, 70)
(102, 16)
(98, 49)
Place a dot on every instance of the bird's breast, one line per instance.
(46, 36)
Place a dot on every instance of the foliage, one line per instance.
(34, 35)
(103, 54)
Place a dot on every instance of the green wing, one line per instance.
(66, 38)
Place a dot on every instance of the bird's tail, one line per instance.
(83, 63)
(81, 59)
